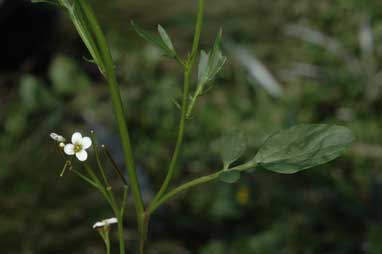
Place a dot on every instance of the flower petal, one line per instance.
(76, 138)
(86, 142)
(105, 223)
(69, 149)
(82, 155)
(111, 221)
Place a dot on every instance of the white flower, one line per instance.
(105, 223)
(57, 137)
(78, 146)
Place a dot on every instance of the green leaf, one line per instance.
(88, 28)
(54, 2)
(217, 60)
(231, 176)
(232, 147)
(210, 64)
(163, 41)
(203, 66)
(303, 146)
(165, 38)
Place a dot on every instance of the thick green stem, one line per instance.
(107, 243)
(143, 234)
(133, 179)
(121, 238)
(88, 27)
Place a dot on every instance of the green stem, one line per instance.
(198, 30)
(193, 100)
(121, 238)
(100, 167)
(181, 188)
(179, 140)
(196, 182)
(143, 235)
(186, 88)
(107, 243)
(92, 35)
(131, 171)
(119, 215)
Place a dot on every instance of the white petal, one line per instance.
(69, 149)
(106, 222)
(76, 138)
(86, 142)
(98, 224)
(82, 155)
(111, 221)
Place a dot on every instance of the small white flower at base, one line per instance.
(105, 223)
(57, 137)
(78, 146)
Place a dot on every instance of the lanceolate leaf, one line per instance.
(303, 146)
(163, 41)
(217, 60)
(165, 38)
(203, 66)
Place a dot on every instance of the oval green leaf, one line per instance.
(303, 146)
(229, 176)
(232, 147)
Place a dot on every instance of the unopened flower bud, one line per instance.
(57, 137)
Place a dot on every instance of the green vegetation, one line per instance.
(335, 208)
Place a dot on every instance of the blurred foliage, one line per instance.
(334, 209)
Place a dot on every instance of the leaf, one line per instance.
(217, 60)
(303, 146)
(162, 42)
(231, 176)
(88, 28)
(232, 147)
(211, 63)
(54, 2)
(165, 38)
(203, 66)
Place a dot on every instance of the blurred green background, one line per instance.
(289, 61)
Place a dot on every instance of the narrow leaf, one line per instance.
(203, 67)
(154, 39)
(303, 146)
(54, 2)
(165, 38)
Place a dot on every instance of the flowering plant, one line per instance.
(288, 151)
